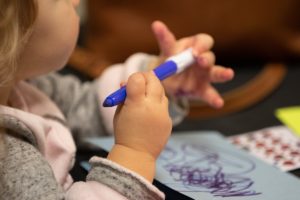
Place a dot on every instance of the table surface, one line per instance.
(260, 115)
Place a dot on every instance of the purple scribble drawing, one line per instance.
(198, 168)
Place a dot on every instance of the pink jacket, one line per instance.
(35, 116)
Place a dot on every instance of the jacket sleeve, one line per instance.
(25, 174)
(112, 181)
(78, 101)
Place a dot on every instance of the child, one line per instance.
(37, 150)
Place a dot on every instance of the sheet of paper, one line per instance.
(290, 116)
(205, 166)
(276, 145)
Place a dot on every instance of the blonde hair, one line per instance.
(16, 21)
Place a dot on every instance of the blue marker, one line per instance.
(174, 64)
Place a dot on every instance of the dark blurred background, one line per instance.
(243, 30)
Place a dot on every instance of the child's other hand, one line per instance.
(195, 81)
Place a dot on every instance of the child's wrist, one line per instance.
(140, 162)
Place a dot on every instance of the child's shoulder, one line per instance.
(15, 127)
(22, 163)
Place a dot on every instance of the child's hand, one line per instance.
(196, 80)
(142, 124)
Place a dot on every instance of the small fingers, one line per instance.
(165, 38)
(136, 87)
(189, 83)
(203, 42)
(200, 43)
(219, 74)
(210, 95)
(154, 88)
(206, 59)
